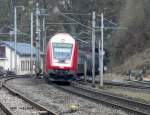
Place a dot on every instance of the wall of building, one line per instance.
(25, 65)
(10, 59)
(23, 62)
(2, 63)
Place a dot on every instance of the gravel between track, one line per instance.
(58, 100)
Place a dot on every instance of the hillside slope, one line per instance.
(135, 38)
(138, 61)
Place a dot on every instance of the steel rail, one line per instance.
(43, 110)
(107, 98)
(5, 109)
(143, 82)
(137, 85)
(129, 85)
(130, 104)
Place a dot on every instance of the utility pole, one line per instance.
(44, 40)
(44, 34)
(99, 59)
(37, 38)
(102, 51)
(93, 49)
(15, 33)
(15, 36)
(31, 62)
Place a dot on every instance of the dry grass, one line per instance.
(132, 94)
(137, 61)
(115, 77)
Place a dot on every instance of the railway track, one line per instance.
(15, 103)
(142, 83)
(108, 99)
(132, 84)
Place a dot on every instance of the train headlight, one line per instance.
(67, 61)
(55, 61)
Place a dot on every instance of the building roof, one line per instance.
(23, 49)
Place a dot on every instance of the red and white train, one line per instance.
(61, 60)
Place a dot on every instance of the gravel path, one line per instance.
(60, 101)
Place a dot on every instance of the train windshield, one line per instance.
(62, 50)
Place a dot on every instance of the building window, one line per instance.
(30, 64)
(2, 52)
(22, 65)
(26, 66)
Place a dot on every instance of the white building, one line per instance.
(23, 51)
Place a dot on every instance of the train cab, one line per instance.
(61, 57)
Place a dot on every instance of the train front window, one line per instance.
(62, 50)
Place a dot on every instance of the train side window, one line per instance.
(82, 59)
(79, 59)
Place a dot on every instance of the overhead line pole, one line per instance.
(102, 49)
(43, 34)
(93, 49)
(44, 40)
(37, 38)
(31, 62)
(15, 36)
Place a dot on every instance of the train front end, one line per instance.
(61, 57)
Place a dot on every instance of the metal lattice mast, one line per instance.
(37, 38)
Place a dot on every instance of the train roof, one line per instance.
(62, 37)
